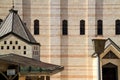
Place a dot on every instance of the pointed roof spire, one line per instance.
(14, 25)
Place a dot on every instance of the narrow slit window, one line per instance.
(82, 27)
(2, 47)
(36, 27)
(117, 27)
(16, 42)
(13, 47)
(64, 27)
(8, 47)
(24, 53)
(5, 42)
(19, 47)
(10, 42)
(24, 47)
(99, 27)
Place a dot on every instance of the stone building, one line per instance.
(20, 52)
(67, 31)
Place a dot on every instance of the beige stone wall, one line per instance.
(4, 7)
(40, 11)
(74, 50)
(16, 50)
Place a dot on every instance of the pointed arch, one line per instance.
(109, 65)
(109, 72)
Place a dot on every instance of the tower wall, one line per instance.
(73, 51)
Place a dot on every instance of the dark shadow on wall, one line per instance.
(64, 39)
(27, 12)
(98, 12)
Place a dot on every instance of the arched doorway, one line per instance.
(109, 72)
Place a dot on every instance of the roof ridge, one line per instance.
(23, 26)
(26, 30)
(12, 20)
(113, 43)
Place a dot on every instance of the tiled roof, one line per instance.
(30, 62)
(14, 24)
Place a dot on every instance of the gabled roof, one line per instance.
(26, 64)
(14, 24)
(110, 42)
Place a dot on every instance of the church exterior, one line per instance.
(20, 52)
(81, 35)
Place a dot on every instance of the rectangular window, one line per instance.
(19, 47)
(10, 42)
(13, 47)
(47, 77)
(117, 27)
(82, 27)
(16, 42)
(24, 53)
(24, 47)
(99, 27)
(64, 27)
(2, 47)
(7, 47)
(5, 42)
(36, 27)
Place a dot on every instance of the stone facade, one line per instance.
(73, 51)
(11, 45)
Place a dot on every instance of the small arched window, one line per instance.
(82, 27)
(1, 21)
(64, 27)
(117, 27)
(36, 27)
(99, 27)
